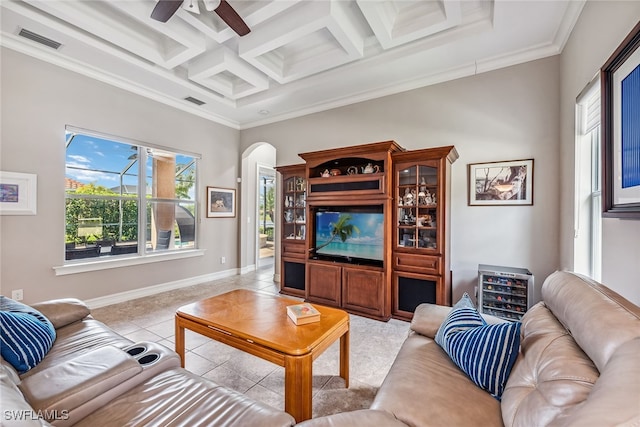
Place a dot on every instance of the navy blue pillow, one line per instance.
(26, 334)
(486, 353)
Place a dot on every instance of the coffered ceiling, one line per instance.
(301, 56)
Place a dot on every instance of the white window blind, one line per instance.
(593, 112)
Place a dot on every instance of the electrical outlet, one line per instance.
(222, 260)
(17, 295)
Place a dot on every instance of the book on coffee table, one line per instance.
(302, 314)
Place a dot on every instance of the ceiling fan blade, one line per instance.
(231, 17)
(165, 9)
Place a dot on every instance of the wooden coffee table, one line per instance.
(257, 323)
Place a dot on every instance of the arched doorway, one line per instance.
(266, 216)
(258, 163)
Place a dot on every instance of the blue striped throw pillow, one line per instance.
(486, 353)
(462, 316)
(26, 334)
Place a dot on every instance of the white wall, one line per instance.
(525, 111)
(38, 100)
(600, 29)
(502, 115)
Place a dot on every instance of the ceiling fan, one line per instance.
(166, 8)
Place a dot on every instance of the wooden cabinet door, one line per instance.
(292, 277)
(411, 289)
(324, 283)
(363, 291)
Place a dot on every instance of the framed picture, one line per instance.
(620, 80)
(18, 193)
(501, 183)
(221, 202)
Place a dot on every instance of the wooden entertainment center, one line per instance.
(366, 228)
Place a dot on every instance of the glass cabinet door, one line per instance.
(417, 207)
(294, 208)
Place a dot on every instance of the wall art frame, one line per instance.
(18, 193)
(620, 94)
(221, 202)
(504, 183)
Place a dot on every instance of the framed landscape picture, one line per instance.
(221, 202)
(501, 183)
(18, 193)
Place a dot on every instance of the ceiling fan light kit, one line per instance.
(211, 5)
(191, 6)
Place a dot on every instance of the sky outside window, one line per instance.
(104, 162)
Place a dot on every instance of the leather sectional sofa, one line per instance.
(578, 365)
(93, 376)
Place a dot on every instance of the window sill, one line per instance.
(84, 266)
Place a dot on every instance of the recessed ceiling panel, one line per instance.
(396, 22)
(222, 71)
(283, 47)
(128, 26)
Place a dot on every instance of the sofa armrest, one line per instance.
(428, 317)
(62, 312)
(62, 389)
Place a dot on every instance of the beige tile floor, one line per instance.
(374, 346)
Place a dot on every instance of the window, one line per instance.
(588, 209)
(125, 198)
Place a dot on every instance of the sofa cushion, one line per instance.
(77, 338)
(75, 383)
(486, 353)
(424, 388)
(16, 411)
(26, 334)
(178, 397)
(605, 321)
(554, 376)
(362, 417)
(581, 364)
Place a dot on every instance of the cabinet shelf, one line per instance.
(503, 313)
(420, 246)
(293, 230)
(430, 206)
(492, 299)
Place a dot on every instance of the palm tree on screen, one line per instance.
(341, 228)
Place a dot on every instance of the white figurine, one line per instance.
(427, 198)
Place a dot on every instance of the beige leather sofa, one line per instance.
(579, 365)
(94, 377)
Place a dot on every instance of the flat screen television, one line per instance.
(350, 234)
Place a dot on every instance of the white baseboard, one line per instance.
(156, 289)
(248, 269)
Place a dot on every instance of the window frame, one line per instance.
(144, 202)
(588, 182)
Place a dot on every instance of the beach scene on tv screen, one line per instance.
(350, 234)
